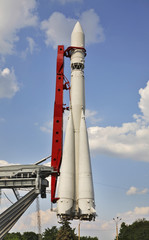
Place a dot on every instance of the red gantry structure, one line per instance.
(57, 140)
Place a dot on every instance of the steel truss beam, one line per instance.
(22, 176)
(10, 216)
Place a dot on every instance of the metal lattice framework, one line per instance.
(22, 176)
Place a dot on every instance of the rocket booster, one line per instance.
(75, 190)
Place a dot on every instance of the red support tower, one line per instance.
(57, 140)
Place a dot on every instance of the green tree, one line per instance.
(50, 234)
(139, 230)
(29, 236)
(13, 236)
(66, 232)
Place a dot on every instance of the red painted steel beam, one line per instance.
(57, 140)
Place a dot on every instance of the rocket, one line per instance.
(75, 189)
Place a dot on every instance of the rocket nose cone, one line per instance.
(77, 28)
(77, 36)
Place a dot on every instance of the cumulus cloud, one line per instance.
(48, 219)
(3, 163)
(58, 28)
(92, 116)
(93, 30)
(133, 191)
(128, 217)
(144, 101)
(133, 215)
(29, 222)
(131, 140)
(8, 83)
(141, 211)
(15, 15)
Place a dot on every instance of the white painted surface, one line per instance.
(75, 185)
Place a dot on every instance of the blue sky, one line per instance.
(117, 98)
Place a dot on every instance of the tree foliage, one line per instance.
(50, 233)
(29, 236)
(65, 232)
(139, 230)
(13, 236)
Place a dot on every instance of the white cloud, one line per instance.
(3, 163)
(133, 191)
(137, 213)
(30, 48)
(68, 1)
(7, 197)
(29, 222)
(93, 30)
(49, 219)
(131, 140)
(141, 211)
(32, 44)
(144, 191)
(15, 15)
(92, 116)
(144, 101)
(106, 225)
(58, 28)
(105, 228)
(47, 127)
(8, 83)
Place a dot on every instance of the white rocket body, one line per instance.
(75, 191)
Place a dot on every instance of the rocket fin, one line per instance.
(86, 192)
(66, 188)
